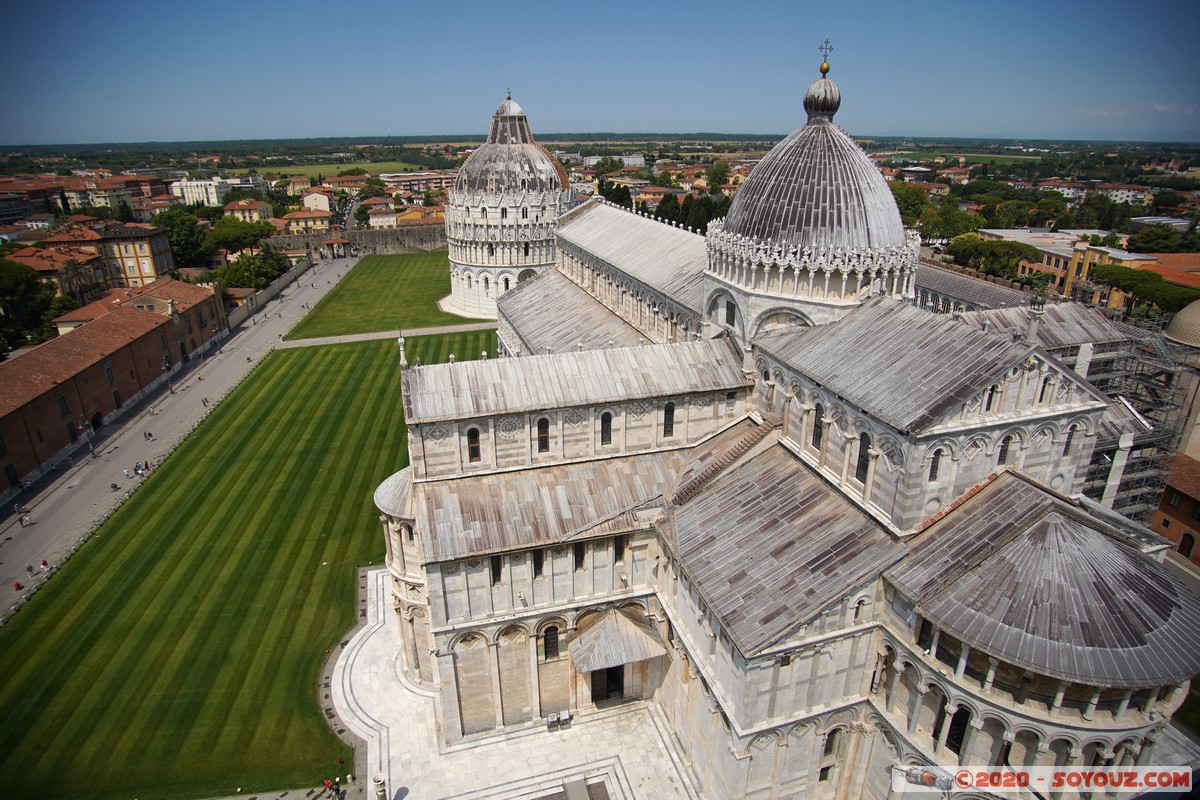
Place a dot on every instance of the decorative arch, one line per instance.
(783, 317)
(468, 639)
(550, 622)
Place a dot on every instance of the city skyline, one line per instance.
(268, 71)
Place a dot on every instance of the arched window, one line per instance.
(527, 249)
(473, 445)
(831, 754)
(486, 284)
(550, 643)
(1045, 388)
(606, 428)
(833, 743)
(730, 312)
(483, 213)
(506, 284)
(934, 464)
(468, 281)
(1002, 458)
(1187, 543)
(818, 433)
(524, 213)
(491, 249)
(864, 458)
(504, 213)
(991, 398)
(668, 420)
(1067, 444)
(543, 435)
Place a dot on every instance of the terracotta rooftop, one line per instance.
(51, 260)
(1185, 475)
(1183, 262)
(307, 213)
(56, 361)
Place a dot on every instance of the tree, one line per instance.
(372, 187)
(185, 235)
(717, 175)
(72, 278)
(232, 234)
(912, 201)
(1155, 239)
(256, 271)
(668, 209)
(24, 301)
(352, 171)
(700, 213)
(61, 304)
(362, 216)
(607, 164)
(434, 197)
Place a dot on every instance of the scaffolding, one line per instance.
(1149, 374)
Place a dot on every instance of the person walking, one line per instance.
(45, 566)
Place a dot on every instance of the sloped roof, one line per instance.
(1064, 324)
(470, 389)
(1025, 576)
(899, 363)
(770, 543)
(551, 313)
(56, 361)
(495, 512)
(1185, 475)
(975, 291)
(615, 639)
(671, 260)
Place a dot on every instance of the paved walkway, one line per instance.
(370, 337)
(66, 506)
(626, 745)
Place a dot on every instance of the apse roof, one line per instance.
(1023, 575)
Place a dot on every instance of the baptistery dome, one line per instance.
(510, 159)
(817, 188)
(501, 214)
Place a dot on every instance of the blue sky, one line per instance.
(166, 70)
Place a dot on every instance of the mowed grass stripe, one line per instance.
(384, 293)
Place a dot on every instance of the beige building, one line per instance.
(250, 210)
(307, 221)
(740, 479)
(134, 253)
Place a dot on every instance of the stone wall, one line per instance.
(412, 238)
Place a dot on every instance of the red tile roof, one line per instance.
(47, 365)
(1185, 475)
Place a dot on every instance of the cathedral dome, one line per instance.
(817, 188)
(510, 161)
(1184, 327)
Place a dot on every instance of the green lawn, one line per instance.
(329, 170)
(178, 653)
(384, 293)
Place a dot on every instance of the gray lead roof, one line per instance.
(816, 189)
(770, 544)
(1024, 576)
(473, 389)
(551, 313)
(903, 365)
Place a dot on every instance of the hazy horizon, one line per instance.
(131, 71)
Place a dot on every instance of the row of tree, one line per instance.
(192, 244)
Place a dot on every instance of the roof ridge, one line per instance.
(719, 464)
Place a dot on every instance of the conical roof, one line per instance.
(510, 161)
(817, 188)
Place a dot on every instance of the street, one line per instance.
(64, 507)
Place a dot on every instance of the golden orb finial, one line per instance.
(826, 48)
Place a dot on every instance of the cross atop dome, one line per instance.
(826, 48)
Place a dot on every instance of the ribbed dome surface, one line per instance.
(1185, 326)
(510, 161)
(817, 188)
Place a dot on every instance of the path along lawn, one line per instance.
(178, 653)
(384, 293)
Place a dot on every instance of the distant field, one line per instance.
(178, 653)
(329, 170)
(384, 293)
